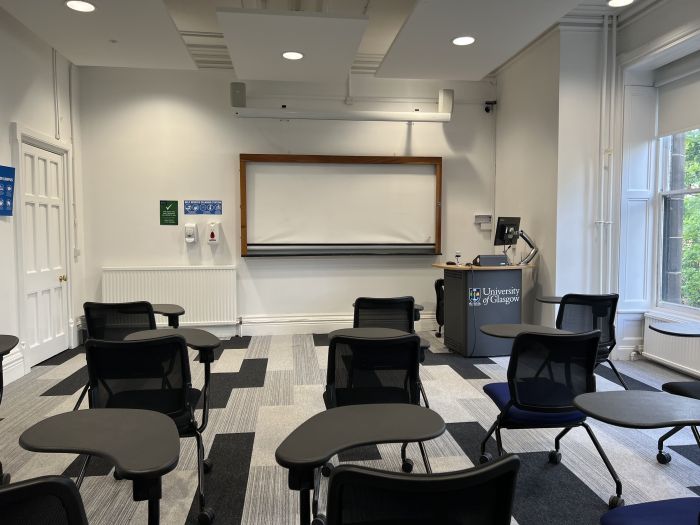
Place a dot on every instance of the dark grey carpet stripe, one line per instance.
(464, 366)
(690, 452)
(64, 356)
(237, 342)
(545, 494)
(251, 375)
(225, 486)
(70, 385)
(632, 383)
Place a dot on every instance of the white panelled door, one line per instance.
(44, 249)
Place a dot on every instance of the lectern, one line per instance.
(479, 295)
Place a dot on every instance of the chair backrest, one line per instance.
(114, 321)
(384, 312)
(478, 496)
(584, 313)
(153, 374)
(440, 301)
(48, 500)
(364, 370)
(546, 372)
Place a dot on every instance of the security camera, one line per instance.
(487, 108)
(489, 105)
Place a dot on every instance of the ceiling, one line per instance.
(386, 38)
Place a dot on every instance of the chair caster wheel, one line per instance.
(4, 479)
(206, 516)
(485, 458)
(615, 501)
(663, 458)
(208, 465)
(118, 477)
(438, 334)
(320, 519)
(554, 457)
(407, 466)
(326, 469)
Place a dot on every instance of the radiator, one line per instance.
(681, 353)
(207, 293)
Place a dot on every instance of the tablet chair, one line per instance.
(545, 374)
(152, 374)
(388, 312)
(583, 313)
(362, 371)
(477, 496)
(114, 321)
(439, 305)
(680, 388)
(48, 500)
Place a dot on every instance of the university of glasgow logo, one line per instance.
(475, 296)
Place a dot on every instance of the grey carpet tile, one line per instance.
(264, 387)
(259, 347)
(605, 371)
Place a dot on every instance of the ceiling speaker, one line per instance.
(238, 94)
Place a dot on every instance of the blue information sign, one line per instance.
(7, 190)
(203, 208)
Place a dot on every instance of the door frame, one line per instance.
(21, 135)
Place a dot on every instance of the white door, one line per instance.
(44, 247)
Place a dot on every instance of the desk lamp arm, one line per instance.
(533, 248)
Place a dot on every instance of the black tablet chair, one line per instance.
(477, 496)
(48, 500)
(114, 321)
(583, 313)
(680, 388)
(681, 511)
(363, 371)
(545, 374)
(388, 312)
(151, 375)
(9, 342)
(439, 305)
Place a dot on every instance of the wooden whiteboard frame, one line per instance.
(246, 158)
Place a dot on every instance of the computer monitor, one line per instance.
(507, 229)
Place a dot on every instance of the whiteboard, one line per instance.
(311, 204)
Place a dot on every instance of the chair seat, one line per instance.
(500, 394)
(683, 388)
(160, 401)
(681, 511)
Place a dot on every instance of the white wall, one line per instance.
(151, 135)
(527, 161)
(26, 97)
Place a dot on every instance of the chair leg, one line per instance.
(425, 398)
(619, 377)
(493, 428)
(499, 443)
(317, 491)
(200, 469)
(696, 434)
(83, 470)
(604, 457)
(82, 396)
(428, 470)
(560, 436)
(667, 435)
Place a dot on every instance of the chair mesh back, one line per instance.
(152, 375)
(49, 500)
(392, 312)
(584, 313)
(546, 372)
(440, 301)
(481, 496)
(364, 371)
(114, 321)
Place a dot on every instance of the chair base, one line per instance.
(664, 457)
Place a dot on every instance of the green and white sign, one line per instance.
(168, 213)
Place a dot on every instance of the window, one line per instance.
(680, 195)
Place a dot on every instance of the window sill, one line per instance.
(672, 314)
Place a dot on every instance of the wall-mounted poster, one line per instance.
(203, 208)
(7, 190)
(168, 213)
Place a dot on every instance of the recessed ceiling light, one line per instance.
(80, 5)
(464, 40)
(293, 55)
(619, 3)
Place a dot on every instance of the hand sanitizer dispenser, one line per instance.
(190, 233)
(213, 232)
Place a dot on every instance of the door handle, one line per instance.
(62, 278)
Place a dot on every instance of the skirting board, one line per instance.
(12, 366)
(311, 324)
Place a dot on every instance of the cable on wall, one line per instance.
(57, 120)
